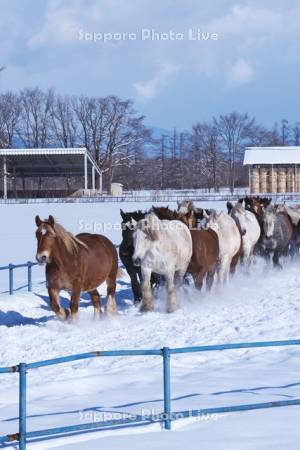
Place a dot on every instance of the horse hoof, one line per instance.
(111, 311)
(63, 314)
(146, 308)
(97, 315)
(171, 309)
(73, 318)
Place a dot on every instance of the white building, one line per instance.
(273, 169)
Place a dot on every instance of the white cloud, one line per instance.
(63, 22)
(148, 90)
(241, 72)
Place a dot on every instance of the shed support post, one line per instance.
(85, 172)
(100, 183)
(4, 178)
(249, 178)
(93, 178)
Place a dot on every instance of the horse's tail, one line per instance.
(121, 273)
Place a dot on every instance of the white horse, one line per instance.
(163, 247)
(249, 227)
(229, 241)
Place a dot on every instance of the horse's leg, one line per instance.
(198, 280)
(275, 259)
(247, 257)
(75, 298)
(111, 306)
(135, 284)
(147, 302)
(210, 278)
(96, 300)
(179, 277)
(234, 262)
(223, 270)
(172, 304)
(62, 313)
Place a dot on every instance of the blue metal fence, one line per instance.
(167, 415)
(11, 267)
(29, 264)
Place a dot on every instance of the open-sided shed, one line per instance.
(50, 163)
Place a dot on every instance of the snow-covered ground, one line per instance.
(264, 305)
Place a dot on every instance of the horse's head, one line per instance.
(210, 220)
(189, 214)
(145, 235)
(45, 235)
(129, 220)
(185, 207)
(269, 217)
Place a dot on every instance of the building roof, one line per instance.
(33, 162)
(272, 155)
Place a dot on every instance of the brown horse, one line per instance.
(76, 263)
(205, 257)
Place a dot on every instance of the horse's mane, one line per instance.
(239, 207)
(136, 215)
(165, 213)
(68, 240)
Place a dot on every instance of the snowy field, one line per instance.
(264, 305)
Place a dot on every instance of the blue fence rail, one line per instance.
(167, 415)
(11, 267)
(29, 264)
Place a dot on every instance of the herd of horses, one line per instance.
(161, 247)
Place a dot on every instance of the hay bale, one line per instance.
(254, 180)
(263, 173)
(290, 180)
(297, 187)
(273, 181)
(281, 180)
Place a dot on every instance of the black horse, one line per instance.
(126, 251)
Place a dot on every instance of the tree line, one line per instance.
(207, 156)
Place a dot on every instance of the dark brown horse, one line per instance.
(76, 263)
(205, 257)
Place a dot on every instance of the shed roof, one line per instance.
(31, 162)
(272, 155)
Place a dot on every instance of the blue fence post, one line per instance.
(22, 406)
(11, 278)
(29, 275)
(167, 388)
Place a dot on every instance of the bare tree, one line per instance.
(260, 136)
(284, 132)
(125, 129)
(9, 116)
(233, 130)
(296, 133)
(34, 124)
(209, 159)
(63, 122)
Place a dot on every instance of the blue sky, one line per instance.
(252, 66)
